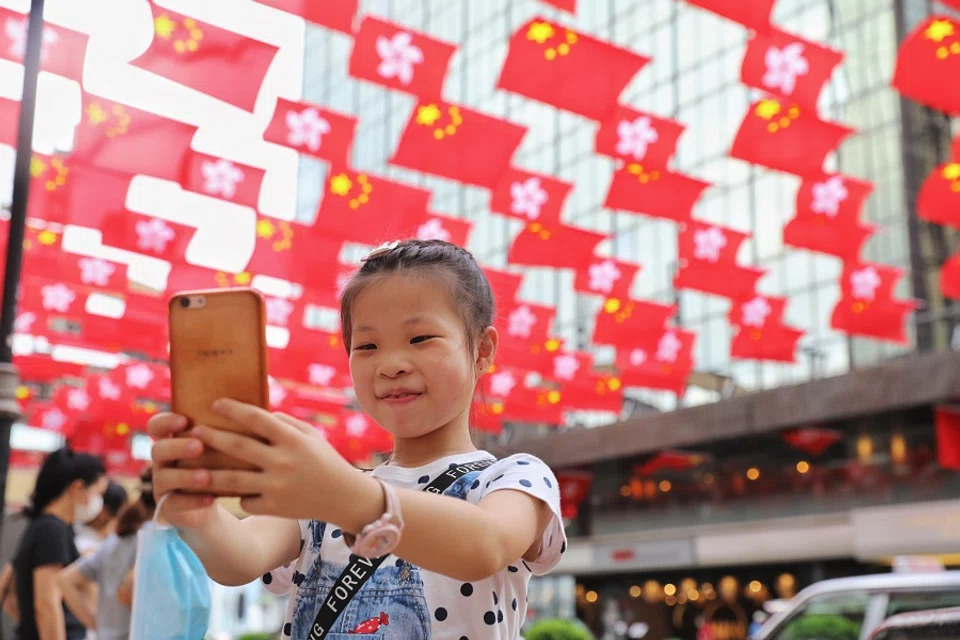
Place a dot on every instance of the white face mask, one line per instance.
(84, 513)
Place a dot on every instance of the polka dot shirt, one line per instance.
(427, 604)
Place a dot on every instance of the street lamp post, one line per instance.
(9, 411)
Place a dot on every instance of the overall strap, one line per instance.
(359, 569)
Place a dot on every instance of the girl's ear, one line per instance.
(486, 350)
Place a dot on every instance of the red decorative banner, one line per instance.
(400, 58)
(761, 334)
(222, 178)
(504, 284)
(788, 66)
(620, 321)
(637, 137)
(212, 60)
(867, 307)
(9, 121)
(787, 138)
(656, 193)
(950, 277)
(454, 142)
(928, 64)
(559, 66)
(312, 130)
(563, 5)
(530, 196)
(658, 360)
(708, 256)
(62, 51)
(115, 136)
(753, 15)
(558, 246)
(150, 236)
(939, 198)
(606, 277)
(337, 15)
(828, 216)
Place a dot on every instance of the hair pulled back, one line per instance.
(135, 514)
(59, 470)
(469, 289)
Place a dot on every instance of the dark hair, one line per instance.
(61, 469)
(114, 498)
(137, 513)
(470, 290)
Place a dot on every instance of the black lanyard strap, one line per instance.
(359, 569)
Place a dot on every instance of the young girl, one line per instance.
(417, 323)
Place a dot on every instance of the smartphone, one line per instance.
(218, 349)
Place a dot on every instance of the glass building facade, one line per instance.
(693, 78)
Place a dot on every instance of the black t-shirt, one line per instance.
(48, 540)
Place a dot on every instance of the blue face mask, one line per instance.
(171, 590)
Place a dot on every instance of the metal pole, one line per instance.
(9, 412)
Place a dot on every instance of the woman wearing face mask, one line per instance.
(90, 536)
(69, 490)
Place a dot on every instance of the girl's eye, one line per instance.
(365, 347)
(420, 339)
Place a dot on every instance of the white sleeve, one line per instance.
(528, 474)
(279, 582)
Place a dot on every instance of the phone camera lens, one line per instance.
(184, 302)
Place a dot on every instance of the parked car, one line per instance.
(941, 624)
(853, 608)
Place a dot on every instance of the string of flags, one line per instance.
(538, 377)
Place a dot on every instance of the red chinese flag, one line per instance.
(333, 14)
(536, 406)
(309, 348)
(594, 392)
(458, 143)
(48, 188)
(638, 137)
(312, 130)
(9, 121)
(761, 333)
(150, 236)
(505, 285)
(62, 51)
(360, 207)
(220, 63)
(928, 65)
(287, 250)
(574, 489)
(120, 138)
(754, 14)
(671, 461)
(223, 179)
(620, 321)
(708, 256)
(828, 216)
(432, 226)
(559, 66)
(947, 420)
(658, 360)
(536, 357)
(950, 278)
(399, 58)
(786, 65)
(656, 193)
(187, 277)
(939, 198)
(558, 246)
(530, 196)
(867, 308)
(787, 138)
(563, 5)
(606, 277)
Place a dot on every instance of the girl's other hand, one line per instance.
(183, 510)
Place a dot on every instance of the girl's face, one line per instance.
(412, 365)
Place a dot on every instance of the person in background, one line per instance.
(69, 489)
(109, 571)
(90, 536)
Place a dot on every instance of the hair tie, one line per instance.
(386, 247)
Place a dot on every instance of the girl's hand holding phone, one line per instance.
(182, 510)
(298, 474)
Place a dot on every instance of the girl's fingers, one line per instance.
(167, 479)
(236, 483)
(180, 502)
(171, 450)
(261, 423)
(164, 425)
(239, 446)
(300, 425)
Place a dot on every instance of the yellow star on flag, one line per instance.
(939, 30)
(96, 114)
(952, 171)
(265, 229)
(428, 114)
(340, 184)
(540, 32)
(163, 26)
(767, 109)
(37, 167)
